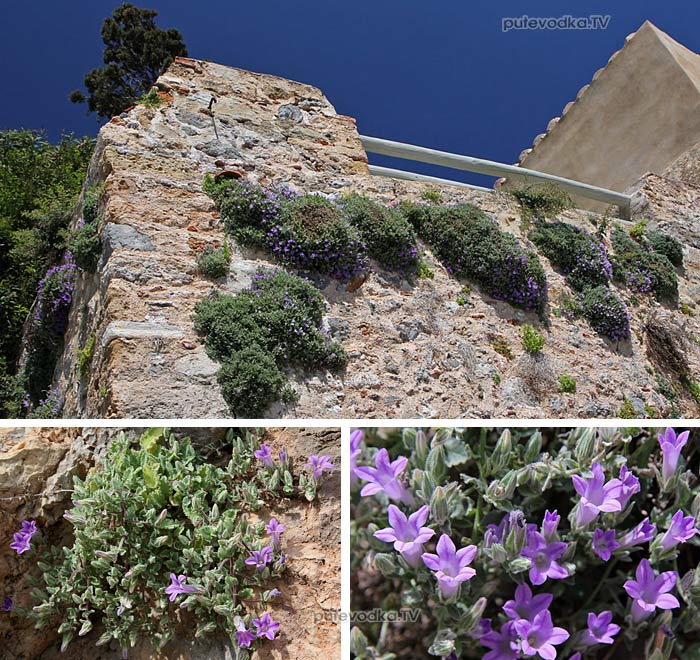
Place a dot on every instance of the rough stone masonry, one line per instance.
(414, 351)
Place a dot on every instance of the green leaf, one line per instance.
(151, 438)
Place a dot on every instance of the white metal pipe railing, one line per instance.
(479, 165)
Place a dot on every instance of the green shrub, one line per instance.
(160, 509)
(638, 231)
(627, 410)
(314, 235)
(431, 195)
(606, 313)
(91, 203)
(567, 384)
(11, 393)
(389, 237)
(667, 245)
(502, 347)
(541, 201)
(580, 255)
(424, 271)
(248, 210)
(85, 357)
(533, 341)
(150, 99)
(214, 262)
(471, 245)
(641, 270)
(277, 322)
(86, 247)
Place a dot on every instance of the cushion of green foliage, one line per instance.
(643, 270)
(606, 313)
(248, 210)
(541, 200)
(156, 509)
(471, 245)
(580, 255)
(389, 237)
(313, 234)
(533, 341)
(214, 262)
(86, 247)
(667, 245)
(278, 319)
(567, 384)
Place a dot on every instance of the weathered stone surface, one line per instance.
(426, 354)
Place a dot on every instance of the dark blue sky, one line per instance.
(439, 74)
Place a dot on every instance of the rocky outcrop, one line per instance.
(37, 466)
(414, 351)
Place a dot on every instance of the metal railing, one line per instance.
(479, 165)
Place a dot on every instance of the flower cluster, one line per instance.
(54, 297)
(22, 540)
(528, 544)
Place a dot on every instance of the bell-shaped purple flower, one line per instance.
(596, 495)
(21, 541)
(319, 464)
(266, 627)
(385, 476)
(177, 586)
(450, 566)
(540, 636)
(629, 485)
(355, 450)
(407, 534)
(275, 528)
(640, 534)
(671, 446)
(7, 604)
(265, 455)
(650, 591)
(543, 558)
(503, 644)
(682, 528)
(260, 558)
(245, 637)
(525, 605)
(550, 524)
(601, 629)
(604, 543)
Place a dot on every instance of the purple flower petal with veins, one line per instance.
(640, 534)
(671, 446)
(543, 558)
(650, 591)
(682, 528)
(385, 476)
(260, 558)
(596, 495)
(525, 605)
(601, 629)
(550, 524)
(245, 637)
(604, 543)
(319, 464)
(503, 644)
(178, 587)
(266, 627)
(265, 455)
(275, 529)
(407, 534)
(450, 566)
(539, 637)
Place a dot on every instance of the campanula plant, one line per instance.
(577, 544)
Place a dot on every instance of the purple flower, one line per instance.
(385, 477)
(275, 529)
(671, 446)
(601, 629)
(640, 534)
(629, 485)
(22, 539)
(319, 464)
(604, 543)
(649, 591)
(260, 558)
(7, 604)
(682, 528)
(407, 534)
(526, 606)
(263, 454)
(502, 644)
(178, 587)
(550, 524)
(245, 637)
(596, 495)
(355, 450)
(451, 566)
(543, 558)
(265, 626)
(539, 637)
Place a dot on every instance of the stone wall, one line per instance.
(414, 351)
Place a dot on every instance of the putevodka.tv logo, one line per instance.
(568, 22)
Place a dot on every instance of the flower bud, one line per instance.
(438, 506)
(409, 439)
(421, 448)
(358, 642)
(435, 463)
(517, 528)
(533, 448)
(500, 458)
(385, 563)
(473, 616)
(586, 445)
